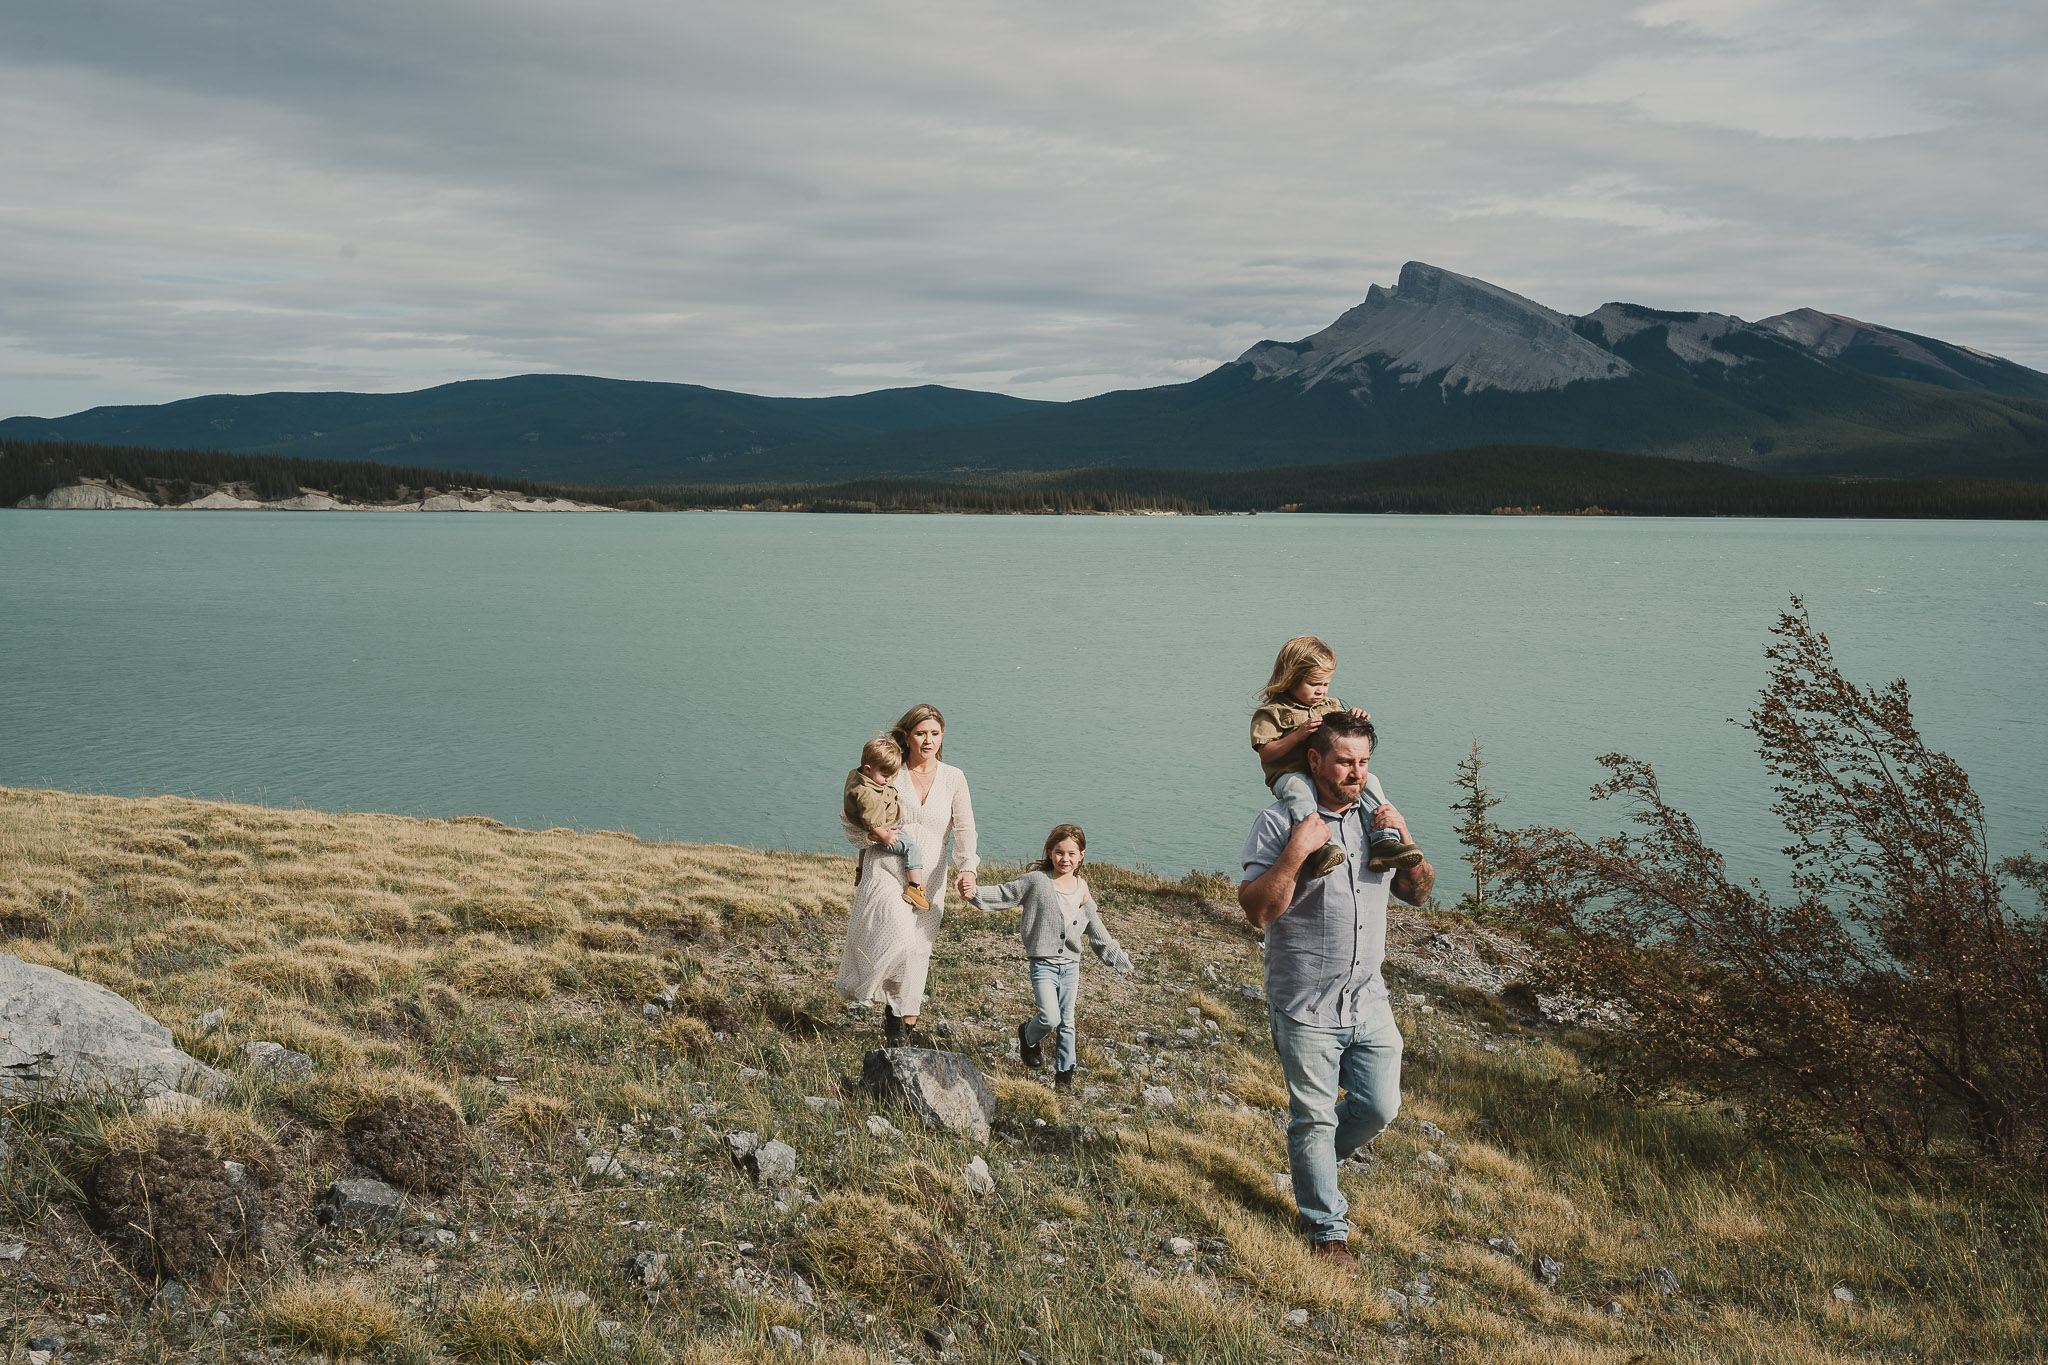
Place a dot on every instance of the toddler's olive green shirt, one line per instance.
(870, 806)
(1284, 717)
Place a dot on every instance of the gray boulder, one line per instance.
(944, 1090)
(359, 1204)
(65, 1038)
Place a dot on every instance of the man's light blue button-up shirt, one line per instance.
(1323, 954)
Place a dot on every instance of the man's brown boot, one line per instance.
(1337, 1251)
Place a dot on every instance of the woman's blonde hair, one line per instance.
(1059, 832)
(1298, 660)
(914, 717)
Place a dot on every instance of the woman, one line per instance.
(888, 944)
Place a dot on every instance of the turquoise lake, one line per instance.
(712, 676)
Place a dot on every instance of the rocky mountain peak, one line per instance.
(1903, 355)
(1434, 324)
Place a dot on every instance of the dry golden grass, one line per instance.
(338, 1317)
(431, 957)
(497, 1326)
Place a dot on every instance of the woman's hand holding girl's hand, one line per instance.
(964, 884)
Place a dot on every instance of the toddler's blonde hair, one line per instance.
(883, 754)
(1298, 660)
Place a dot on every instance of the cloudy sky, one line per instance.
(1050, 199)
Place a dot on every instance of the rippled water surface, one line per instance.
(712, 676)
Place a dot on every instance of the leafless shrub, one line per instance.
(1894, 993)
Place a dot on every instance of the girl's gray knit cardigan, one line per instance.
(1044, 925)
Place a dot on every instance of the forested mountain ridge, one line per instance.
(1439, 361)
(539, 426)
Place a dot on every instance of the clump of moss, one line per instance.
(414, 1142)
(176, 1207)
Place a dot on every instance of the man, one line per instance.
(1325, 937)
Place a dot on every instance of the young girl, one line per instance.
(1292, 707)
(1058, 913)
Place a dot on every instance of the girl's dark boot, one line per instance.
(1063, 1080)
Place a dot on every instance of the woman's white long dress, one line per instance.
(888, 944)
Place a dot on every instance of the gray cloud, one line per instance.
(1051, 200)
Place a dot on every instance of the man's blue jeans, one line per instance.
(1366, 1061)
(1057, 986)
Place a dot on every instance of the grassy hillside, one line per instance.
(505, 971)
(560, 427)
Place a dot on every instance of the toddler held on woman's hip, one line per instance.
(871, 802)
(1058, 914)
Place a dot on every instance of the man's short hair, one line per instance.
(1341, 725)
(883, 754)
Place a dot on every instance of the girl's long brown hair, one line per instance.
(1059, 832)
(1300, 658)
(914, 717)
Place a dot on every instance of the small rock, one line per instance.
(1430, 1161)
(359, 1204)
(1026, 1358)
(1660, 1279)
(172, 1298)
(788, 1338)
(939, 1339)
(97, 1319)
(276, 1063)
(13, 1251)
(742, 1144)
(439, 1239)
(979, 1181)
(1252, 992)
(1505, 1246)
(1614, 1308)
(569, 1298)
(1840, 1294)
(1180, 1246)
(645, 1269)
(1396, 1298)
(772, 1163)
(800, 1290)
(650, 1012)
(750, 1073)
(823, 1104)
(604, 1165)
(36, 1357)
(219, 1320)
(211, 1020)
(1296, 1317)
(52, 1343)
(1158, 1097)
(1147, 1356)
(1549, 1273)
(881, 1127)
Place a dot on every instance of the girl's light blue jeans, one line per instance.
(1298, 790)
(1365, 1060)
(1058, 988)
